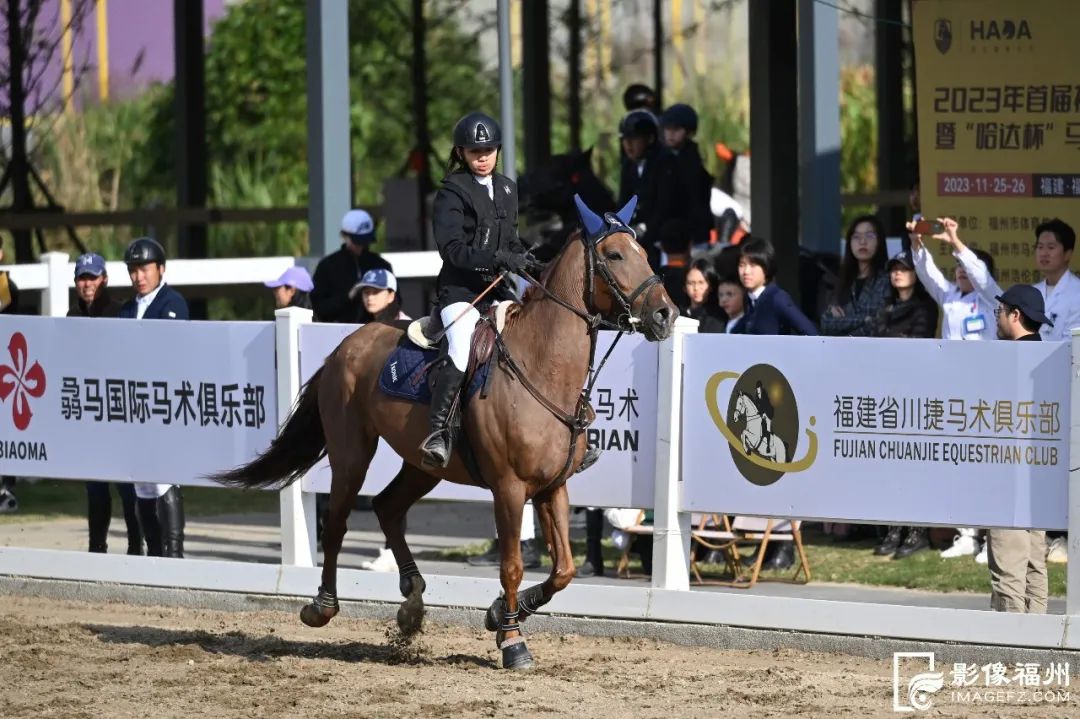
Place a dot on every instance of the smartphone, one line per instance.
(929, 227)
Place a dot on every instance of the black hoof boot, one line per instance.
(410, 615)
(321, 610)
(515, 655)
(495, 614)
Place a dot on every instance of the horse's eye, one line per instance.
(613, 256)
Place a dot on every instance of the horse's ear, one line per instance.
(627, 211)
(584, 158)
(593, 222)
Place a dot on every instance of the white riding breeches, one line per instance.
(459, 335)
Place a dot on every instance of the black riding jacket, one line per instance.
(469, 229)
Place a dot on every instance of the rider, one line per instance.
(765, 409)
(474, 219)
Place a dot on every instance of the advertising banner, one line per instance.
(899, 431)
(998, 105)
(625, 427)
(124, 400)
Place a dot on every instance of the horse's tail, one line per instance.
(300, 444)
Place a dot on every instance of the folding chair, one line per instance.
(714, 533)
(758, 532)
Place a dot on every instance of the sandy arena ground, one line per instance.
(76, 660)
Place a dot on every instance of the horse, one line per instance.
(525, 443)
(753, 434)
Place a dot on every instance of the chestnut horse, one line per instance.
(520, 434)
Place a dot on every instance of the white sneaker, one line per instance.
(383, 563)
(962, 546)
(8, 503)
(1058, 553)
(980, 558)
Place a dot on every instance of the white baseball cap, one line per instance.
(359, 224)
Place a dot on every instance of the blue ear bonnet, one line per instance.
(597, 227)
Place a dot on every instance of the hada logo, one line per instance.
(21, 381)
(761, 423)
(984, 30)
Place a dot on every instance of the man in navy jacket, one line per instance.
(160, 506)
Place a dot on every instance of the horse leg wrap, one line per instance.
(494, 614)
(326, 600)
(531, 600)
(515, 654)
(509, 623)
(407, 571)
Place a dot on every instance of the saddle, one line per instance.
(422, 332)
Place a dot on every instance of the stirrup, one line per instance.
(429, 458)
(591, 455)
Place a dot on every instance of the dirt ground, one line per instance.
(75, 660)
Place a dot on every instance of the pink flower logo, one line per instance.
(24, 381)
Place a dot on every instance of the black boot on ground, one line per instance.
(151, 528)
(891, 542)
(593, 566)
(917, 539)
(490, 558)
(436, 448)
(98, 515)
(131, 519)
(170, 509)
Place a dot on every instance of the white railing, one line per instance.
(668, 598)
(54, 275)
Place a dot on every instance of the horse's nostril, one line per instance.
(662, 315)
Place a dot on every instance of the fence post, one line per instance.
(297, 507)
(54, 298)
(671, 536)
(1072, 569)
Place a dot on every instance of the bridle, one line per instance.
(625, 323)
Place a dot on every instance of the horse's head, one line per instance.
(619, 282)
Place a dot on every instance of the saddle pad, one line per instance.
(404, 376)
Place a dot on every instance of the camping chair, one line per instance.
(758, 532)
(713, 532)
(623, 570)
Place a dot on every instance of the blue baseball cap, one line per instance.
(379, 279)
(296, 277)
(89, 264)
(358, 225)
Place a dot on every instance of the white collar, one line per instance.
(487, 182)
(758, 292)
(145, 300)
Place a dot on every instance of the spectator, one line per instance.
(968, 309)
(638, 133)
(1017, 557)
(732, 298)
(910, 313)
(700, 288)
(683, 187)
(1060, 288)
(92, 288)
(771, 311)
(9, 304)
(864, 286)
(336, 296)
(292, 289)
(379, 293)
(160, 506)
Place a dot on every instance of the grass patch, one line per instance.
(65, 499)
(831, 561)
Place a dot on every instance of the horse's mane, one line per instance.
(535, 292)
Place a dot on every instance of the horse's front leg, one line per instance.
(553, 509)
(508, 510)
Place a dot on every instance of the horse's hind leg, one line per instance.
(554, 510)
(348, 475)
(390, 506)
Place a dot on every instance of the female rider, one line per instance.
(475, 225)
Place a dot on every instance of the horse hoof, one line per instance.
(314, 616)
(495, 614)
(410, 615)
(517, 656)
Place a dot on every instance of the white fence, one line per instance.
(667, 599)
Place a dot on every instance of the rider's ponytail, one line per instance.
(455, 162)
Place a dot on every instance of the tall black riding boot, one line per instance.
(170, 509)
(151, 528)
(98, 515)
(437, 447)
(126, 490)
(593, 566)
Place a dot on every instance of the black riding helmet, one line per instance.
(638, 96)
(639, 123)
(143, 251)
(477, 130)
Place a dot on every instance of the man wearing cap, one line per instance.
(92, 288)
(160, 506)
(336, 297)
(1017, 557)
